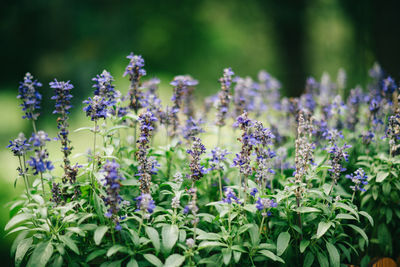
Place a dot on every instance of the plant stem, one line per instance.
(352, 197)
(34, 126)
(141, 223)
(218, 136)
(41, 178)
(25, 179)
(134, 132)
(220, 184)
(262, 223)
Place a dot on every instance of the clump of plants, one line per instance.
(307, 181)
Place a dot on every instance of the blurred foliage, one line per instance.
(75, 40)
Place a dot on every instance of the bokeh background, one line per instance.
(75, 40)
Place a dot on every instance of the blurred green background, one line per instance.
(75, 40)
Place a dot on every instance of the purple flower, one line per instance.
(359, 178)
(112, 184)
(196, 169)
(264, 204)
(253, 192)
(192, 128)
(104, 87)
(96, 108)
(337, 155)
(30, 97)
(224, 96)
(218, 156)
(229, 196)
(146, 204)
(19, 146)
(39, 139)
(135, 71)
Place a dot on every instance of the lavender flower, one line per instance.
(196, 169)
(112, 184)
(19, 146)
(337, 155)
(359, 178)
(146, 204)
(192, 128)
(30, 97)
(104, 87)
(218, 156)
(135, 71)
(253, 192)
(96, 108)
(229, 196)
(224, 96)
(63, 97)
(40, 162)
(264, 204)
(147, 165)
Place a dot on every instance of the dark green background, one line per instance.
(74, 40)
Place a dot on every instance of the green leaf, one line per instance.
(386, 187)
(132, 263)
(58, 261)
(366, 215)
(98, 208)
(333, 255)
(385, 238)
(348, 208)
(153, 260)
(345, 216)
(308, 260)
(282, 243)
(254, 235)
(360, 231)
(226, 255)
(41, 254)
(303, 245)
(16, 220)
(381, 176)
(83, 129)
(271, 255)
(114, 249)
(323, 260)
(70, 243)
(322, 228)
(208, 244)
(174, 260)
(22, 248)
(169, 235)
(237, 255)
(154, 237)
(95, 254)
(307, 209)
(99, 234)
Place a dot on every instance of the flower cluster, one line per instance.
(19, 146)
(196, 169)
(188, 108)
(224, 96)
(97, 108)
(192, 205)
(147, 165)
(242, 160)
(31, 98)
(337, 153)
(218, 156)
(192, 128)
(146, 204)
(104, 87)
(359, 178)
(62, 96)
(112, 184)
(264, 204)
(353, 104)
(40, 162)
(230, 196)
(135, 71)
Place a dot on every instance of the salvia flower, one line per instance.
(40, 162)
(253, 192)
(103, 87)
(264, 205)
(224, 96)
(112, 184)
(192, 205)
(188, 106)
(192, 128)
(393, 133)
(147, 165)
(146, 204)
(56, 193)
(19, 146)
(218, 156)
(190, 242)
(230, 196)
(62, 96)
(97, 108)
(31, 98)
(338, 153)
(196, 169)
(135, 71)
(353, 105)
(175, 203)
(359, 179)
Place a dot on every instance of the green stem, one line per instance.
(41, 178)
(218, 136)
(141, 223)
(134, 132)
(352, 197)
(229, 219)
(112, 234)
(34, 126)
(220, 184)
(262, 224)
(24, 178)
